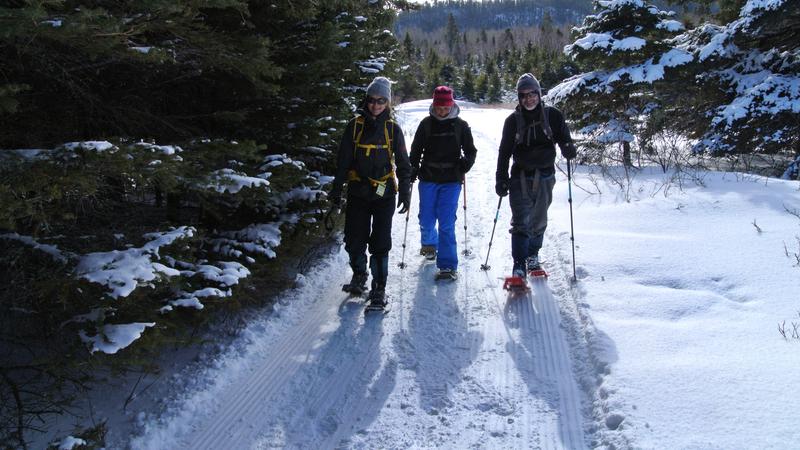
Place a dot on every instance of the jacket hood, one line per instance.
(454, 111)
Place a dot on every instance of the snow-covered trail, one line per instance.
(454, 365)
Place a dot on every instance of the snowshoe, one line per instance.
(446, 274)
(428, 251)
(357, 286)
(539, 273)
(535, 267)
(516, 284)
(377, 301)
(518, 281)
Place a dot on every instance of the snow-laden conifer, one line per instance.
(624, 48)
(747, 77)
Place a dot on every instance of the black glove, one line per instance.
(568, 150)
(464, 165)
(501, 188)
(404, 201)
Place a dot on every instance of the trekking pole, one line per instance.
(402, 263)
(485, 266)
(571, 226)
(466, 251)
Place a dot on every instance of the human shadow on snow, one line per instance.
(438, 345)
(343, 386)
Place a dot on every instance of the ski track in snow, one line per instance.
(453, 365)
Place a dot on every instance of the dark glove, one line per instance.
(404, 201)
(568, 150)
(464, 165)
(501, 188)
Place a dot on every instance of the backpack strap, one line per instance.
(367, 149)
(546, 122)
(522, 129)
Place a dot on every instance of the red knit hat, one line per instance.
(443, 96)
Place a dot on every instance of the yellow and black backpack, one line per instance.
(373, 162)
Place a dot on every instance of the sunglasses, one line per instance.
(526, 95)
(379, 100)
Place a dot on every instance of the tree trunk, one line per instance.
(626, 154)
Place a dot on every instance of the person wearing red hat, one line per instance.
(441, 153)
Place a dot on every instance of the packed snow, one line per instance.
(668, 339)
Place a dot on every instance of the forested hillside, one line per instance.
(492, 14)
(482, 60)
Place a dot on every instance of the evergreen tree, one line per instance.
(482, 87)
(468, 84)
(741, 89)
(233, 82)
(624, 44)
(447, 73)
(408, 47)
(75, 72)
(451, 32)
(495, 91)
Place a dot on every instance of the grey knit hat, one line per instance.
(380, 87)
(528, 81)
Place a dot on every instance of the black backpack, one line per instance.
(521, 128)
(458, 130)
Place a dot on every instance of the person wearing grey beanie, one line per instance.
(372, 162)
(380, 87)
(530, 135)
(529, 82)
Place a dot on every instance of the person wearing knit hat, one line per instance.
(441, 153)
(530, 135)
(380, 87)
(528, 82)
(373, 161)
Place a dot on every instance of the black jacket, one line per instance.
(537, 150)
(442, 160)
(377, 164)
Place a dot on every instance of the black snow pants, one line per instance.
(369, 222)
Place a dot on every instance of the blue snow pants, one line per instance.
(438, 202)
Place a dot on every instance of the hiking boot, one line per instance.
(519, 269)
(428, 251)
(533, 263)
(357, 285)
(447, 274)
(377, 298)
